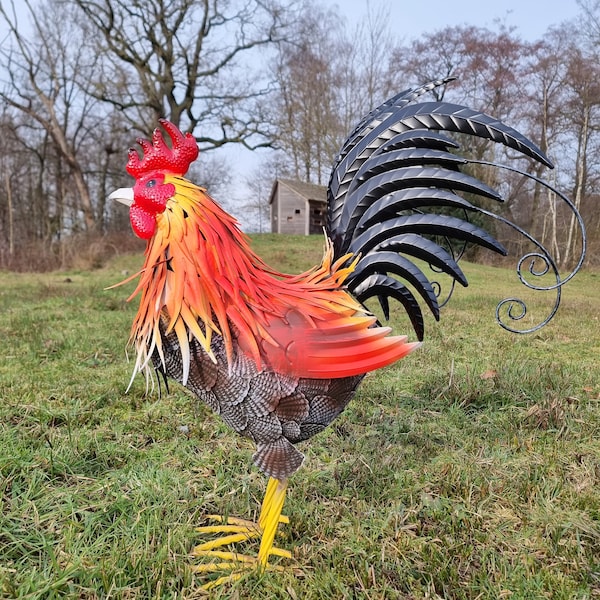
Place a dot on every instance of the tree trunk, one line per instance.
(580, 179)
(11, 227)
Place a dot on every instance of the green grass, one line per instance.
(470, 470)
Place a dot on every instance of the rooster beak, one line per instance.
(122, 195)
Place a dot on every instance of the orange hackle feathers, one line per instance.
(203, 279)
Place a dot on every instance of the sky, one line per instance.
(411, 18)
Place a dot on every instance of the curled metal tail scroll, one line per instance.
(531, 266)
(539, 264)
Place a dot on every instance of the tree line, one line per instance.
(284, 79)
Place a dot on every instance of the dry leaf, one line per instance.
(489, 374)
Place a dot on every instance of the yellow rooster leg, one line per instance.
(237, 525)
(267, 500)
(240, 530)
(269, 522)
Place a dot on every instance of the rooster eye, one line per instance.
(151, 183)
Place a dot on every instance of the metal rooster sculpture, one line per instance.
(279, 356)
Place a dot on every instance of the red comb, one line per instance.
(158, 156)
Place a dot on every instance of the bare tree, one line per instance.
(40, 70)
(546, 73)
(196, 62)
(583, 112)
(366, 68)
(432, 56)
(589, 21)
(328, 78)
(305, 112)
(487, 65)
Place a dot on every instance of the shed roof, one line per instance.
(310, 191)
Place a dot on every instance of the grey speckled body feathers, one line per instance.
(274, 410)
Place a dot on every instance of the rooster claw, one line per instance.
(233, 531)
(234, 564)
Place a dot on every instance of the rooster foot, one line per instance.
(234, 564)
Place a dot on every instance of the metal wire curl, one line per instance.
(548, 263)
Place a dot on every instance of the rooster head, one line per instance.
(150, 194)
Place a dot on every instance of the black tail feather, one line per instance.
(426, 250)
(425, 224)
(408, 199)
(393, 175)
(392, 262)
(384, 287)
(365, 194)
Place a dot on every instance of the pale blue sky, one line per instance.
(411, 18)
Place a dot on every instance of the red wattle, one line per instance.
(143, 222)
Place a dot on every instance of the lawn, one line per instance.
(470, 470)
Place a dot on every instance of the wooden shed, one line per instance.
(297, 207)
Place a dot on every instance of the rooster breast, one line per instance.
(274, 410)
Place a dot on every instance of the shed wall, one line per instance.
(291, 211)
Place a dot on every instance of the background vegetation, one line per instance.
(469, 470)
(80, 79)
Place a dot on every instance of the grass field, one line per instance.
(470, 470)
